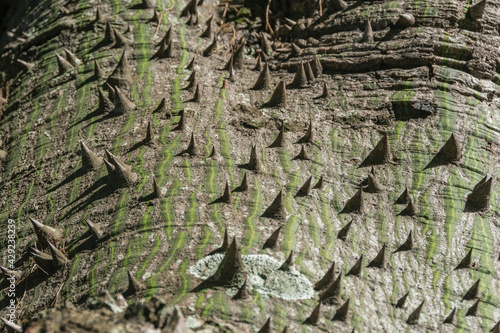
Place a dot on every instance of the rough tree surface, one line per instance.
(419, 72)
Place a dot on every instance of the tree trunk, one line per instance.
(129, 162)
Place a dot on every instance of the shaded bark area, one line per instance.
(367, 100)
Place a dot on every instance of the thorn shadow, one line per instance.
(88, 80)
(101, 193)
(148, 197)
(88, 242)
(138, 145)
(91, 115)
(107, 116)
(247, 166)
(76, 174)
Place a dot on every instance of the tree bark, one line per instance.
(401, 79)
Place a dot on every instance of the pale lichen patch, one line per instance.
(263, 275)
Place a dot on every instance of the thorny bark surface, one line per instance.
(417, 83)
